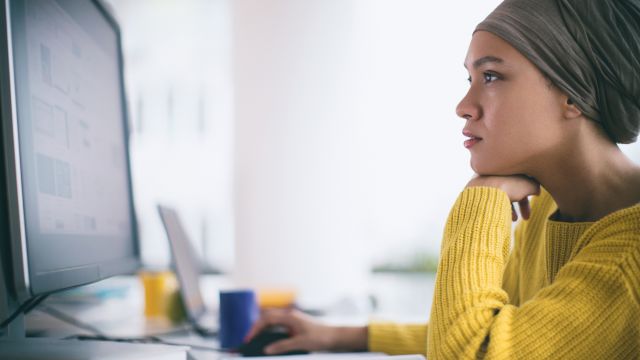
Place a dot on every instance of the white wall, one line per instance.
(296, 195)
(179, 81)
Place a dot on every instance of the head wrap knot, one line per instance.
(590, 49)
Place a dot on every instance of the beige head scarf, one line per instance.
(590, 49)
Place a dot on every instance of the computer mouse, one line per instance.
(256, 346)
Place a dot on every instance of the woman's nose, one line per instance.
(468, 108)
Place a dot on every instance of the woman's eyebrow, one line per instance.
(485, 59)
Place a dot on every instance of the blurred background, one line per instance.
(310, 145)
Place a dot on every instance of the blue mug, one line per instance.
(238, 312)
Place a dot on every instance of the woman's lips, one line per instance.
(469, 143)
(472, 139)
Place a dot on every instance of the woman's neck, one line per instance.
(590, 183)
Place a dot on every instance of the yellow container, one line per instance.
(159, 286)
(276, 298)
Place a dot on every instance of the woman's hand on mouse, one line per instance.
(308, 334)
(517, 187)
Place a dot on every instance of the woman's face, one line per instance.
(514, 117)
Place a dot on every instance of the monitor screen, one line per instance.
(72, 177)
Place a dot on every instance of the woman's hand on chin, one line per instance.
(517, 187)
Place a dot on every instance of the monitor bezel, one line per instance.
(25, 284)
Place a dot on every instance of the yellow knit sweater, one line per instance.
(566, 290)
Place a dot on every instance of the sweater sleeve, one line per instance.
(397, 339)
(588, 312)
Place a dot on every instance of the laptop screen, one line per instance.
(185, 261)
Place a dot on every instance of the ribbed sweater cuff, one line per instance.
(381, 337)
(394, 338)
(477, 238)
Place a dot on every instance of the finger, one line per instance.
(283, 346)
(264, 321)
(514, 215)
(269, 318)
(525, 208)
(536, 186)
(258, 326)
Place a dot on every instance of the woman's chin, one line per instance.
(479, 167)
(488, 169)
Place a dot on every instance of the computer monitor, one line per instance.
(65, 147)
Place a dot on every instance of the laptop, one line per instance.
(187, 267)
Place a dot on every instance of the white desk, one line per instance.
(119, 313)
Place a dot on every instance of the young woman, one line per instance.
(554, 86)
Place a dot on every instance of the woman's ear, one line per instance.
(570, 110)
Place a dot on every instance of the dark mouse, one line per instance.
(255, 346)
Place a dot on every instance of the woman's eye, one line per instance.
(489, 77)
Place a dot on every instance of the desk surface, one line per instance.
(116, 307)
